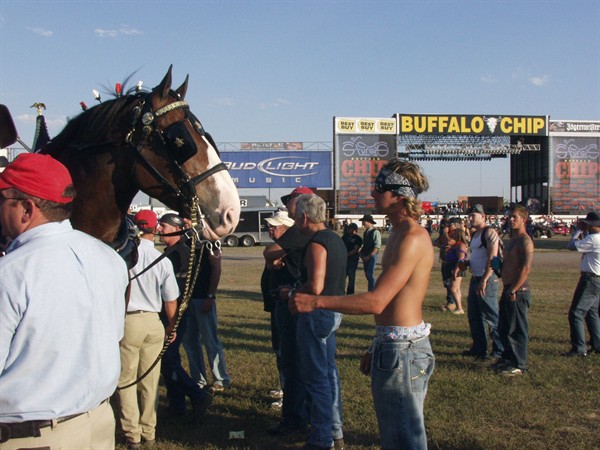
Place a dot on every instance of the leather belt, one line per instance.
(129, 313)
(31, 428)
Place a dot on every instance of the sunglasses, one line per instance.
(381, 187)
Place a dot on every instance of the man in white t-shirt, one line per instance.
(145, 335)
(482, 301)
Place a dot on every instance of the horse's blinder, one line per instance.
(177, 139)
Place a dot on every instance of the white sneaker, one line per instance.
(277, 405)
(276, 393)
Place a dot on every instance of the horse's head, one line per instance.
(178, 161)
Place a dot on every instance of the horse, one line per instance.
(148, 141)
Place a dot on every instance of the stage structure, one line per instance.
(363, 145)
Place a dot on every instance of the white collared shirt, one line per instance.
(590, 247)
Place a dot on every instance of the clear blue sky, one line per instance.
(281, 70)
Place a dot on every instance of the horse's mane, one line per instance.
(95, 125)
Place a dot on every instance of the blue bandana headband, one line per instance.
(402, 186)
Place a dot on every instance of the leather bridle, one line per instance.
(179, 143)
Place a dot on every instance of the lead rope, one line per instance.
(190, 282)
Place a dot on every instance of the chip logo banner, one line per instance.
(280, 169)
(484, 125)
(351, 125)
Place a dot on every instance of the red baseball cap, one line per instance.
(146, 220)
(38, 175)
(295, 193)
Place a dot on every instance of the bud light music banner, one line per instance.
(280, 169)
(359, 159)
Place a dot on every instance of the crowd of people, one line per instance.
(103, 362)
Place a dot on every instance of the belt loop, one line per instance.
(53, 423)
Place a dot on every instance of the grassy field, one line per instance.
(554, 406)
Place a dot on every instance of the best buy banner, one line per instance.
(484, 125)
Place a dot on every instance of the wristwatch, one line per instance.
(213, 296)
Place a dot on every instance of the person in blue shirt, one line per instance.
(63, 305)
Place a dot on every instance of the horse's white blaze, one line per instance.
(228, 209)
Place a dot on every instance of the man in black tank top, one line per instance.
(323, 271)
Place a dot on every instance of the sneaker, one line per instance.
(133, 445)
(457, 311)
(572, 353)
(282, 429)
(276, 393)
(511, 372)
(277, 405)
(150, 443)
(216, 388)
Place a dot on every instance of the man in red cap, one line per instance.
(63, 301)
(145, 335)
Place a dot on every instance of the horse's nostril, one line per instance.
(229, 219)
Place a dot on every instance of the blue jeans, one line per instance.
(294, 411)
(447, 272)
(351, 266)
(400, 372)
(178, 382)
(202, 330)
(369, 268)
(483, 311)
(316, 344)
(513, 328)
(584, 308)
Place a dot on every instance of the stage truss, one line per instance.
(429, 147)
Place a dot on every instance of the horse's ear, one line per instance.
(181, 90)
(165, 85)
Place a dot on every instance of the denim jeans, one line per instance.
(369, 268)
(316, 339)
(400, 372)
(351, 266)
(179, 384)
(585, 308)
(294, 412)
(202, 330)
(513, 327)
(483, 311)
(447, 272)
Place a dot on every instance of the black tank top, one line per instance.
(335, 275)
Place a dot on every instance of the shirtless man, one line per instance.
(402, 337)
(513, 326)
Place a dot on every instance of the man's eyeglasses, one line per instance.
(381, 188)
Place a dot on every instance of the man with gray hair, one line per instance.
(323, 271)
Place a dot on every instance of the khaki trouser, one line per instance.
(143, 340)
(94, 430)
